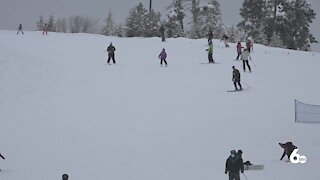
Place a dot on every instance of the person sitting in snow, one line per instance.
(288, 148)
(163, 56)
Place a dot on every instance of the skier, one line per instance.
(236, 78)
(225, 40)
(249, 44)
(20, 29)
(65, 177)
(163, 56)
(245, 59)
(2, 158)
(288, 148)
(111, 49)
(210, 52)
(234, 164)
(162, 30)
(45, 29)
(239, 50)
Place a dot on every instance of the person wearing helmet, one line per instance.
(111, 49)
(234, 164)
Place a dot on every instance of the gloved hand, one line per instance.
(242, 171)
(226, 172)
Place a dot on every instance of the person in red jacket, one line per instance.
(239, 50)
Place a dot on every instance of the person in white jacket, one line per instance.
(245, 58)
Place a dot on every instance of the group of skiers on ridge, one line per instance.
(45, 29)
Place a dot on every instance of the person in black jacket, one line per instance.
(111, 49)
(234, 164)
(288, 148)
(236, 78)
(162, 32)
(65, 177)
(20, 29)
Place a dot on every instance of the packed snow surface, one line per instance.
(63, 110)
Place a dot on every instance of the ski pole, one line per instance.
(245, 176)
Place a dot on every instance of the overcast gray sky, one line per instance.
(13, 12)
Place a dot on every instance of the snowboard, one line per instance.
(254, 167)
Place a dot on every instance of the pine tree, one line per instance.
(255, 14)
(177, 13)
(135, 21)
(51, 24)
(151, 24)
(173, 26)
(206, 17)
(110, 27)
(294, 28)
(40, 23)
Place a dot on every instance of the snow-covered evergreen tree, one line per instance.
(152, 24)
(110, 27)
(40, 23)
(173, 26)
(255, 14)
(179, 10)
(205, 17)
(51, 24)
(135, 21)
(294, 28)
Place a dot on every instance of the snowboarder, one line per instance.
(210, 52)
(163, 56)
(249, 44)
(65, 177)
(236, 78)
(288, 148)
(20, 29)
(111, 49)
(45, 29)
(234, 164)
(162, 30)
(239, 50)
(245, 59)
(225, 40)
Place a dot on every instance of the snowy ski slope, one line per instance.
(63, 110)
